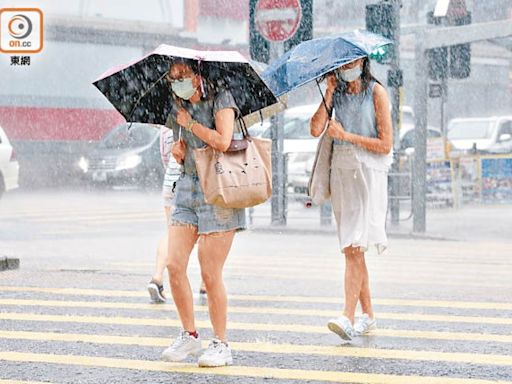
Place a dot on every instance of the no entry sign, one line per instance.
(278, 20)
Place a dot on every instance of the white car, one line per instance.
(9, 167)
(489, 134)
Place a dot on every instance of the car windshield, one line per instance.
(124, 136)
(295, 129)
(468, 130)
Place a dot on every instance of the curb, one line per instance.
(331, 231)
(9, 263)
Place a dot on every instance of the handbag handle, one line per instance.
(240, 144)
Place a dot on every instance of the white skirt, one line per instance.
(359, 197)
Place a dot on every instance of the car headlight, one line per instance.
(128, 162)
(83, 164)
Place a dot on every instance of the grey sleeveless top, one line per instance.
(356, 112)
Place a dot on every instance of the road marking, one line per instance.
(241, 371)
(9, 381)
(338, 276)
(308, 270)
(260, 347)
(258, 310)
(258, 298)
(299, 328)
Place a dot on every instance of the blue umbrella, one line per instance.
(314, 58)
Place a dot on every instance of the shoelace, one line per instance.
(180, 340)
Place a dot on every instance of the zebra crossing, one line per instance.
(36, 320)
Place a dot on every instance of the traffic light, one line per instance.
(437, 57)
(453, 61)
(382, 19)
(460, 54)
(438, 63)
(260, 48)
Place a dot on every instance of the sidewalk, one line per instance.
(469, 223)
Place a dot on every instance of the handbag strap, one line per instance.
(243, 128)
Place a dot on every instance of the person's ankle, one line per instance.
(350, 318)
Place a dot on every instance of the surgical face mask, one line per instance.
(184, 89)
(349, 75)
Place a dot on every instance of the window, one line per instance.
(124, 136)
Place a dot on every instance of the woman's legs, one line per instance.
(162, 253)
(184, 237)
(364, 295)
(354, 275)
(213, 251)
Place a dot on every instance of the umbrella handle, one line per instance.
(329, 110)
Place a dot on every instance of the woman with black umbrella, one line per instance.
(201, 116)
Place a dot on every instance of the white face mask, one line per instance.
(184, 89)
(351, 74)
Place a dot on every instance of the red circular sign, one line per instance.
(277, 20)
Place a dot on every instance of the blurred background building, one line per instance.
(51, 111)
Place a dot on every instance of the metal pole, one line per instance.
(420, 142)
(394, 87)
(444, 100)
(278, 201)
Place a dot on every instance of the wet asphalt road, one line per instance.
(77, 310)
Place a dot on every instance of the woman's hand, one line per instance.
(178, 151)
(331, 82)
(183, 117)
(336, 130)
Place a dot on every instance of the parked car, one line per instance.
(9, 167)
(127, 155)
(485, 134)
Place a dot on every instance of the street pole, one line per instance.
(419, 174)
(395, 83)
(278, 201)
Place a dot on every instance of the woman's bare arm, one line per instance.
(218, 138)
(321, 116)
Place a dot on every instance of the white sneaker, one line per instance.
(365, 325)
(342, 327)
(218, 354)
(156, 292)
(185, 345)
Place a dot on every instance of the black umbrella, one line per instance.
(140, 92)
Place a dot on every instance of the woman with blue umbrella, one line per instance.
(354, 152)
(361, 134)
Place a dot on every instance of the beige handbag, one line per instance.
(319, 187)
(238, 178)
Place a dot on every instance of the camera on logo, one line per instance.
(21, 30)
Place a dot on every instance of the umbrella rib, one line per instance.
(144, 94)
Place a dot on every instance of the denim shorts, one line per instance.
(190, 208)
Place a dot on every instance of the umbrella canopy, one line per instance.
(140, 92)
(312, 59)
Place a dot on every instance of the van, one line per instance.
(483, 134)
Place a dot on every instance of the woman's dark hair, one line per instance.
(366, 75)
